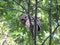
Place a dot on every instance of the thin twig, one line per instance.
(43, 8)
(25, 1)
(11, 9)
(50, 35)
(20, 5)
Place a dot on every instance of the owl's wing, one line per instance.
(38, 24)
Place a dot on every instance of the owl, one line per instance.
(25, 21)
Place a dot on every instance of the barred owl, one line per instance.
(25, 21)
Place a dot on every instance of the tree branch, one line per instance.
(50, 35)
(25, 1)
(44, 8)
(10, 9)
(20, 5)
(50, 22)
(35, 29)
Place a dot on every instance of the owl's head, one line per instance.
(23, 18)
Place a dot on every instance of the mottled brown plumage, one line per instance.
(25, 21)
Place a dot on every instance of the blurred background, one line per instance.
(12, 32)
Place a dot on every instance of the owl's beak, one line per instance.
(23, 20)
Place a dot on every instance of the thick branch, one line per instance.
(36, 3)
(50, 22)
